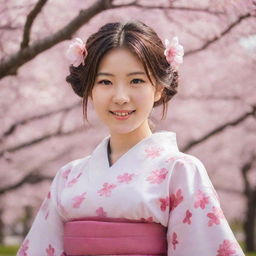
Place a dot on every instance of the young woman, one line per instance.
(136, 193)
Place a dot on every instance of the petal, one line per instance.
(180, 50)
(178, 59)
(175, 41)
(166, 42)
(79, 40)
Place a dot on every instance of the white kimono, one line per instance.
(153, 181)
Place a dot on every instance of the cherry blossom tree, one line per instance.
(213, 113)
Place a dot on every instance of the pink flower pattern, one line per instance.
(227, 248)
(187, 217)
(157, 176)
(23, 249)
(50, 250)
(215, 216)
(164, 203)
(170, 159)
(174, 240)
(176, 199)
(125, 178)
(107, 189)
(153, 152)
(100, 212)
(66, 173)
(74, 180)
(201, 199)
(149, 219)
(78, 200)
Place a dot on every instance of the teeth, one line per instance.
(122, 114)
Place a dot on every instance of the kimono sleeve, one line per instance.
(46, 233)
(196, 224)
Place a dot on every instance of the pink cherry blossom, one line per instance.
(164, 203)
(100, 212)
(50, 251)
(78, 200)
(227, 248)
(215, 216)
(176, 199)
(149, 219)
(23, 249)
(76, 52)
(157, 176)
(74, 180)
(153, 152)
(126, 177)
(174, 240)
(170, 159)
(107, 189)
(201, 199)
(174, 52)
(66, 173)
(187, 218)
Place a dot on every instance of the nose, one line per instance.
(120, 95)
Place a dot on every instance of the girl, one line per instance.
(136, 193)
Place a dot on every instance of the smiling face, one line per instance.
(121, 84)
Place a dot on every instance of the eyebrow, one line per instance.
(130, 74)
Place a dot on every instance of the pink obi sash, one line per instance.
(118, 237)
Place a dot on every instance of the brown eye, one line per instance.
(140, 81)
(103, 81)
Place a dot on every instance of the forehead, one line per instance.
(120, 60)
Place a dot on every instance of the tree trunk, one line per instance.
(250, 222)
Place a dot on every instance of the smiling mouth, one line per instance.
(122, 114)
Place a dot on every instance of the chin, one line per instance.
(122, 130)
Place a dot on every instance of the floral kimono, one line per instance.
(153, 182)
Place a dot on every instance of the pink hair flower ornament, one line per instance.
(174, 52)
(76, 52)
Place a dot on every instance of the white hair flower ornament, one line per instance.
(174, 52)
(76, 52)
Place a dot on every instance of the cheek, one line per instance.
(145, 98)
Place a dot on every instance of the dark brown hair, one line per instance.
(139, 39)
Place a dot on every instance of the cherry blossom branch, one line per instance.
(57, 133)
(14, 126)
(222, 33)
(34, 176)
(170, 7)
(30, 178)
(10, 65)
(219, 129)
(29, 22)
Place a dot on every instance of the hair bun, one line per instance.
(75, 80)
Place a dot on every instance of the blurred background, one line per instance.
(213, 113)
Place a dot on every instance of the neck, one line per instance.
(122, 142)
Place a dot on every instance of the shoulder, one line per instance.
(188, 165)
(188, 170)
(186, 160)
(73, 167)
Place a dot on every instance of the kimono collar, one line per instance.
(150, 147)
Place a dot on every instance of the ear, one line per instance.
(158, 92)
